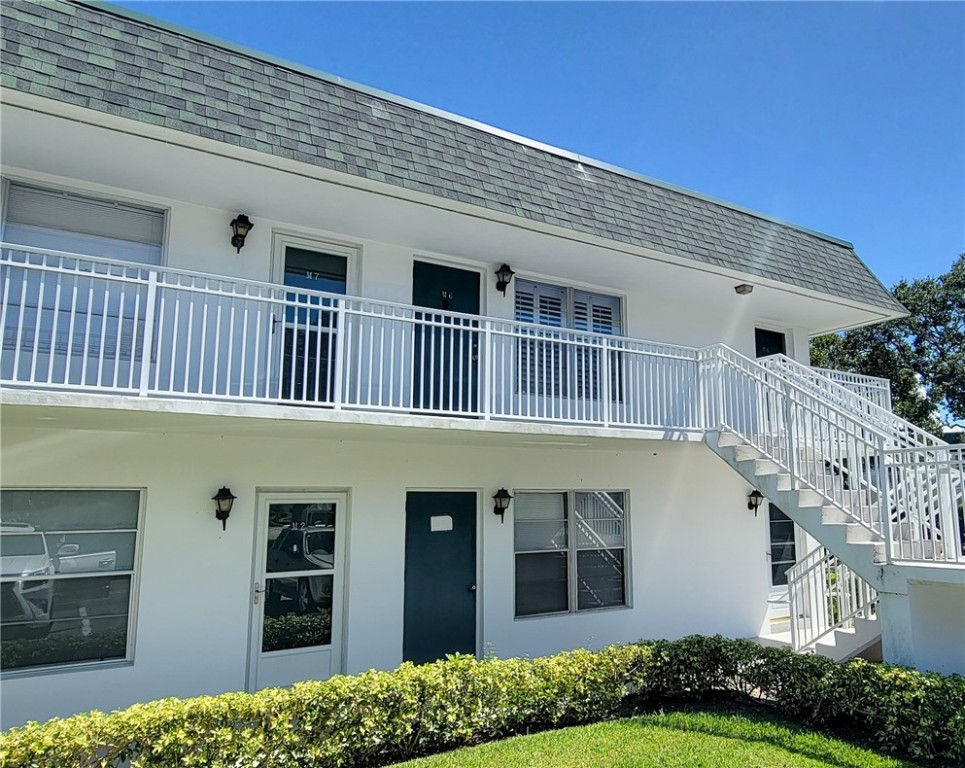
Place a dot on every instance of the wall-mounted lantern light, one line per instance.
(240, 227)
(223, 500)
(503, 277)
(754, 500)
(743, 289)
(501, 503)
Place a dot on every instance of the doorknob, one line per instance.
(472, 587)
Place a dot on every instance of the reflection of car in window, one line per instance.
(310, 548)
(26, 597)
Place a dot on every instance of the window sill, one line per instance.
(559, 614)
(61, 669)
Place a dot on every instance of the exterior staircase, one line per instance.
(882, 497)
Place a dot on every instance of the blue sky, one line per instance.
(848, 118)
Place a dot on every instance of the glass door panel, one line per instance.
(295, 632)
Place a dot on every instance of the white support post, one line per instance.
(897, 636)
(790, 420)
(340, 367)
(488, 352)
(147, 346)
(884, 503)
(605, 389)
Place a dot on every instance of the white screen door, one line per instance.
(296, 627)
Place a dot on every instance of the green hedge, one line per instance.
(380, 717)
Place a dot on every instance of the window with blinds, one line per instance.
(547, 367)
(66, 221)
(569, 551)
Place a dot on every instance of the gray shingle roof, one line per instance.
(149, 72)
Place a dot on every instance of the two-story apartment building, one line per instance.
(225, 275)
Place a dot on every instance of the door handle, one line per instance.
(258, 591)
(472, 587)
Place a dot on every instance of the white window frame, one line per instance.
(572, 586)
(94, 194)
(564, 357)
(135, 574)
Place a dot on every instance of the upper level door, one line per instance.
(769, 342)
(304, 330)
(446, 348)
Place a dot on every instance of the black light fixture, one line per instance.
(240, 227)
(501, 503)
(754, 500)
(743, 289)
(223, 499)
(503, 277)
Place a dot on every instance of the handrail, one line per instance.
(851, 462)
(877, 386)
(804, 434)
(902, 430)
(913, 497)
(77, 321)
(302, 296)
(929, 526)
(824, 594)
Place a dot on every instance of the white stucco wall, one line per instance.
(696, 555)
(938, 626)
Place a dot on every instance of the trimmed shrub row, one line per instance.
(380, 717)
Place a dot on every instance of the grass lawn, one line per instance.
(687, 739)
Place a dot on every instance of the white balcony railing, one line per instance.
(908, 498)
(94, 325)
(91, 324)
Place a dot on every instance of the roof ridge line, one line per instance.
(302, 69)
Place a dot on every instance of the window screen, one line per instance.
(569, 551)
(67, 561)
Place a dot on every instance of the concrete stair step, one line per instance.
(836, 528)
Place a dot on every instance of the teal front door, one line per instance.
(446, 353)
(440, 575)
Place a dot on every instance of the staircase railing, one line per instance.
(822, 382)
(824, 594)
(850, 461)
(926, 484)
(873, 388)
(806, 434)
(930, 520)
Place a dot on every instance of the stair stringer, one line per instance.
(860, 548)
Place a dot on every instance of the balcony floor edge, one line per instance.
(307, 415)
